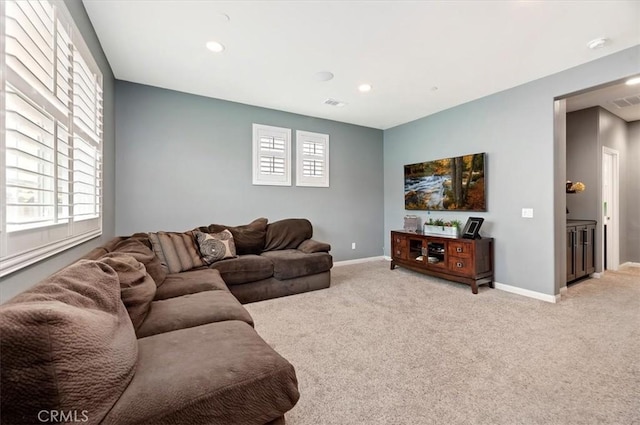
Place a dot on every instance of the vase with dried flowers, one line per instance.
(576, 187)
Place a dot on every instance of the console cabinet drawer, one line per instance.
(460, 249)
(399, 246)
(462, 265)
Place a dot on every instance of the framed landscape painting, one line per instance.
(453, 184)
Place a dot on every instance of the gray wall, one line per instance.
(582, 163)
(516, 129)
(184, 161)
(633, 192)
(20, 280)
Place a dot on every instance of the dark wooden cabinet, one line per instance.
(581, 249)
(460, 260)
(571, 253)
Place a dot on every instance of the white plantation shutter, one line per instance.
(312, 164)
(312, 159)
(271, 155)
(30, 163)
(87, 99)
(51, 162)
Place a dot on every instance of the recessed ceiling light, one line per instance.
(632, 81)
(214, 46)
(364, 88)
(323, 76)
(434, 88)
(597, 43)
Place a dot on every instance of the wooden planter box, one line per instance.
(449, 232)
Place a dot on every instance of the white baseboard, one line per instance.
(630, 264)
(527, 293)
(357, 261)
(596, 275)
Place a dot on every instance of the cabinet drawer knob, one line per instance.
(459, 265)
(397, 252)
(458, 249)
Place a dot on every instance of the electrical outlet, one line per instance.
(527, 212)
(353, 245)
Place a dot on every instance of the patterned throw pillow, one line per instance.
(215, 246)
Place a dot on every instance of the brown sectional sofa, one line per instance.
(288, 262)
(116, 339)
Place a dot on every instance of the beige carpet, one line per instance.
(397, 347)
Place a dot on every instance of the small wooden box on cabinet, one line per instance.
(467, 261)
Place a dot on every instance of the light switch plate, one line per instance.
(527, 212)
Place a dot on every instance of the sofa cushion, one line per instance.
(191, 282)
(288, 233)
(310, 246)
(137, 288)
(215, 246)
(67, 345)
(221, 373)
(138, 249)
(244, 268)
(177, 252)
(192, 310)
(248, 238)
(290, 263)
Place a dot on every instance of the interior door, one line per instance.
(610, 208)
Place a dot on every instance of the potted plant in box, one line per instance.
(440, 227)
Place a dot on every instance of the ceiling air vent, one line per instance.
(334, 102)
(625, 102)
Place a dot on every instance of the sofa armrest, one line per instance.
(310, 246)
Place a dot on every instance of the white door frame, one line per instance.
(611, 217)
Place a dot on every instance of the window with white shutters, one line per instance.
(51, 149)
(271, 155)
(312, 164)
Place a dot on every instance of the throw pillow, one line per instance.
(216, 246)
(248, 238)
(177, 251)
(67, 344)
(137, 288)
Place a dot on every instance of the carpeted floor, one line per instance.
(397, 347)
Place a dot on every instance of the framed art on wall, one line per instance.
(453, 184)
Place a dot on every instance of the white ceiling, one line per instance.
(620, 99)
(467, 49)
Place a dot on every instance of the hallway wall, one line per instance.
(633, 192)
